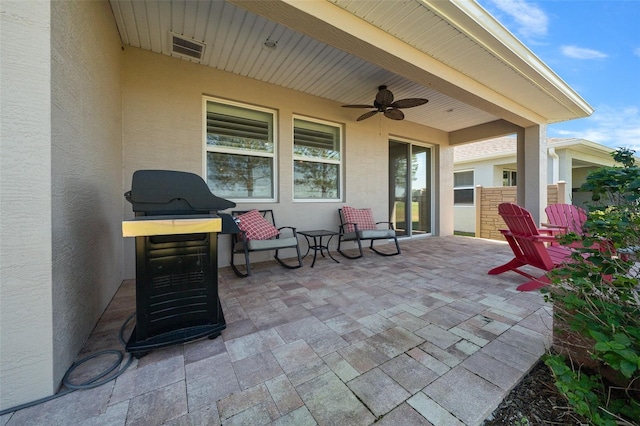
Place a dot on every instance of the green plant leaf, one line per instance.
(627, 368)
(615, 346)
(621, 338)
(629, 355)
(597, 336)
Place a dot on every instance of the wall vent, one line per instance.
(186, 47)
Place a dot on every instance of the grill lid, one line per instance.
(172, 192)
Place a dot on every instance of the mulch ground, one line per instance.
(535, 401)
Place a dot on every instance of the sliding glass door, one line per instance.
(410, 207)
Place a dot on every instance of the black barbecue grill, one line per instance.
(175, 226)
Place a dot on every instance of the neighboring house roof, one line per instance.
(507, 146)
(472, 70)
(492, 148)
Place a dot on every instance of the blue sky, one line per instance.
(594, 46)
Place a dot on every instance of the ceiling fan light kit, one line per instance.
(384, 103)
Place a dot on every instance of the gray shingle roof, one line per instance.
(497, 147)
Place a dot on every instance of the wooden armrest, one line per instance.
(551, 225)
(545, 238)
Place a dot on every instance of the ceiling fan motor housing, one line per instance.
(384, 103)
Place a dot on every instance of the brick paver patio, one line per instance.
(426, 337)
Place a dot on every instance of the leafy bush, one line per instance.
(596, 301)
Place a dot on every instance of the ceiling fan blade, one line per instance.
(358, 106)
(409, 103)
(394, 114)
(367, 115)
(384, 96)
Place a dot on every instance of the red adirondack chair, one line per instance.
(528, 245)
(565, 218)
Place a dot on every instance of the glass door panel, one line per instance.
(398, 186)
(410, 207)
(420, 190)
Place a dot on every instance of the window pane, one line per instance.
(239, 128)
(463, 197)
(463, 178)
(240, 176)
(316, 140)
(508, 178)
(316, 180)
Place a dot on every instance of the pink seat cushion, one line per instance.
(361, 217)
(256, 226)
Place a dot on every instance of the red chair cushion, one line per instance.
(256, 226)
(361, 217)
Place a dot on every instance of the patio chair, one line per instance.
(565, 218)
(528, 245)
(357, 225)
(258, 232)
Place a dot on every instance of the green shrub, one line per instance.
(596, 298)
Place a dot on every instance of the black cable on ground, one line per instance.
(93, 382)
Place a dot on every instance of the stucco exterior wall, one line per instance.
(487, 173)
(162, 121)
(464, 218)
(25, 201)
(579, 174)
(86, 172)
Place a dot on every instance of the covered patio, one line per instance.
(426, 337)
(93, 91)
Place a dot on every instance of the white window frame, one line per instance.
(338, 162)
(228, 150)
(465, 187)
(512, 177)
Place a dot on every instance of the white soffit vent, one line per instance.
(185, 47)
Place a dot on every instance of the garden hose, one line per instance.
(93, 382)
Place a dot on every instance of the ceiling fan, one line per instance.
(384, 104)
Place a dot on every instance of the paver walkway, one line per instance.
(426, 337)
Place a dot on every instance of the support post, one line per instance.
(532, 170)
(478, 204)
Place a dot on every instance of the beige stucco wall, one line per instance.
(61, 176)
(487, 173)
(162, 119)
(86, 172)
(25, 201)
(578, 175)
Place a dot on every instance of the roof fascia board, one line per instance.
(337, 27)
(574, 143)
(476, 23)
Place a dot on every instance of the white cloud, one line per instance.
(636, 51)
(613, 127)
(582, 53)
(531, 20)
